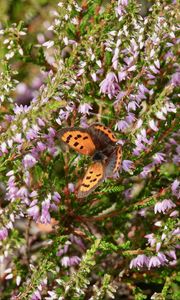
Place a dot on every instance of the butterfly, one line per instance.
(99, 142)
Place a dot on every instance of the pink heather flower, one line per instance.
(172, 254)
(18, 138)
(164, 206)
(56, 197)
(29, 161)
(109, 85)
(64, 249)
(3, 233)
(127, 165)
(119, 96)
(175, 188)
(154, 262)
(174, 213)
(130, 118)
(176, 231)
(40, 122)
(158, 158)
(158, 246)
(160, 115)
(78, 241)
(154, 69)
(67, 261)
(41, 146)
(34, 212)
(153, 125)
(162, 258)
(146, 170)
(23, 192)
(84, 108)
(122, 75)
(143, 89)
(36, 295)
(139, 262)
(151, 239)
(71, 187)
(132, 105)
(176, 79)
(74, 260)
(45, 217)
(4, 148)
(121, 125)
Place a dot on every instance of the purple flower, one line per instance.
(122, 75)
(153, 125)
(34, 212)
(171, 254)
(29, 161)
(158, 246)
(127, 165)
(175, 188)
(121, 125)
(139, 262)
(151, 239)
(64, 250)
(71, 187)
(56, 197)
(164, 206)
(146, 170)
(154, 262)
(109, 85)
(132, 105)
(162, 258)
(4, 147)
(154, 69)
(67, 261)
(84, 108)
(3, 233)
(41, 146)
(78, 241)
(45, 217)
(158, 158)
(36, 295)
(176, 79)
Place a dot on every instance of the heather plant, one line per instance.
(73, 64)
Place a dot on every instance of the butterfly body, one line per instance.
(99, 142)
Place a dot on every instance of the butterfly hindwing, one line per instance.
(114, 162)
(93, 177)
(79, 139)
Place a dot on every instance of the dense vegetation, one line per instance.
(74, 63)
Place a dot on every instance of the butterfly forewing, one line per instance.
(93, 177)
(105, 131)
(78, 139)
(114, 162)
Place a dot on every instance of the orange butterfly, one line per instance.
(99, 142)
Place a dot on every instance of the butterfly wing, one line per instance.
(103, 138)
(114, 162)
(78, 139)
(93, 177)
(105, 132)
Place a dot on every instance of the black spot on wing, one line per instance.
(76, 144)
(85, 138)
(86, 185)
(93, 180)
(68, 138)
